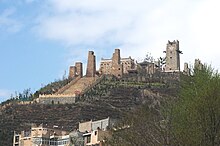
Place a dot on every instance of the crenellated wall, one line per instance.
(57, 99)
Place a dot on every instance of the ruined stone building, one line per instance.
(172, 57)
(77, 70)
(186, 69)
(146, 67)
(198, 64)
(116, 66)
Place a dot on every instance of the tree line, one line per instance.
(190, 119)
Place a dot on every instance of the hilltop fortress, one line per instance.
(120, 68)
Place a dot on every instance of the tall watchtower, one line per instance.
(117, 68)
(91, 65)
(172, 56)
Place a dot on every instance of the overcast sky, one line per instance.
(40, 39)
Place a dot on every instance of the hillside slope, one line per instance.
(114, 104)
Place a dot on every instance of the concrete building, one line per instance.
(94, 125)
(89, 134)
(41, 136)
(96, 137)
(172, 57)
(95, 132)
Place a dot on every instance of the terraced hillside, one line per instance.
(106, 99)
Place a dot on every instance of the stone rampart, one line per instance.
(57, 99)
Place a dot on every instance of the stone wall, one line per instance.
(79, 69)
(116, 66)
(72, 72)
(57, 99)
(160, 77)
(128, 64)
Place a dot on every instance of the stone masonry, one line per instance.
(186, 70)
(198, 64)
(75, 71)
(117, 68)
(172, 56)
(72, 72)
(91, 65)
(116, 65)
(106, 65)
(79, 69)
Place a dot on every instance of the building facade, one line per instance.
(116, 66)
(41, 136)
(96, 132)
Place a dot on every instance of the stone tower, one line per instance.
(75, 71)
(79, 69)
(186, 70)
(198, 64)
(72, 72)
(172, 56)
(91, 65)
(117, 68)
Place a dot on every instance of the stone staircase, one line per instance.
(80, 85)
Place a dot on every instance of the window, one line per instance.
(88, 139)
(17, 139)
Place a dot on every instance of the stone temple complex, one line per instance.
(114, 66)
